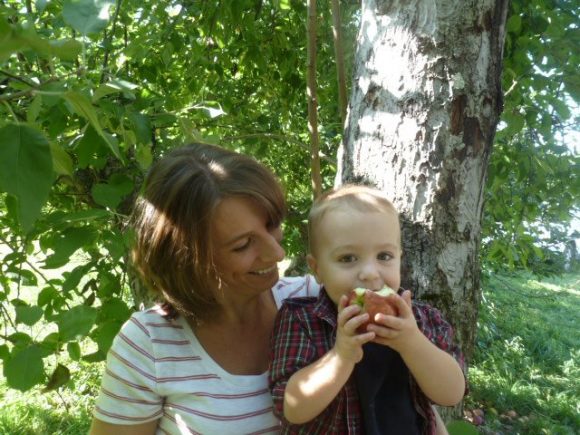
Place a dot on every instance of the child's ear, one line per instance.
(313, 265)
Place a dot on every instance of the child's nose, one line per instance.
(369, 272)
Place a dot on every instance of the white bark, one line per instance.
(425, 103)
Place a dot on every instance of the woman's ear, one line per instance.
(313, 265)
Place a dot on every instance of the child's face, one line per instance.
(357, 249)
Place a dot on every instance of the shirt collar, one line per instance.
(325, 309)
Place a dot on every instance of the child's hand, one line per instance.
(397, 332)
(349, 343)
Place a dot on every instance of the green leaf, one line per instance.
(105, 334)
(25, 368)
(141, 125)
(34, 108)
(86, 16)
(28, 315)
(514, 24)
(61, 160)
(115, 86)
(112, 193)
(74, 350)
(83, 107)
(41, 5)
(59, 377)
(25, 170)
(91, 150)
(76, 322)
(66, 243)
(461, 428)
(66, 49)
(82, 216)
(4, 352)
(115, 309)
(144, 156)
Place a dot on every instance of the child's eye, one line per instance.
(243, 246)
(384, 256)
(349, 258)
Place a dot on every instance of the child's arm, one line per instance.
(437, 373)
(311, 389)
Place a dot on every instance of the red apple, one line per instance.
(372, 302)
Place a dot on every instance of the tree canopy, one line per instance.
(92, 91)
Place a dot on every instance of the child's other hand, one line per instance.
(397, 332)
(349, 343)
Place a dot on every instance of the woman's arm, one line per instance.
(101, 428)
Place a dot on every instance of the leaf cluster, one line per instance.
(533, 187)
(91, 92)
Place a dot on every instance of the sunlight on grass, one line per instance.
(67, 412)
(525, 372)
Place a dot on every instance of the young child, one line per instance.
(318, 377)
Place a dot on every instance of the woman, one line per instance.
(208, 241)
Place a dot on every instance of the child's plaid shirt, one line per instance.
(305, 330)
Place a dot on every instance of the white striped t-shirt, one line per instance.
(157, 369)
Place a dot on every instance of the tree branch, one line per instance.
(312, 99)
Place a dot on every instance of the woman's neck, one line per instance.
(238, 339)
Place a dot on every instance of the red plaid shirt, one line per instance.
(305, 330)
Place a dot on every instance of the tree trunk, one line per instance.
(423, 111)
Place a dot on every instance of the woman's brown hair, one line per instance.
(172, 220)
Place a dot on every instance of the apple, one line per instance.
(373, 302)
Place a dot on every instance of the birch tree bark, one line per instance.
(423, 111)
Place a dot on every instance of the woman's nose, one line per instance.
(273, 251)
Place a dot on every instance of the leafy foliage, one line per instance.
(534, 183)
(92, 91)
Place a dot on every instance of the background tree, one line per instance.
(422, 117)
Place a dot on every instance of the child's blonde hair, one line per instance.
(357, 197)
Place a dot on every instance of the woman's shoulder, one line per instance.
(295, 287)
(152, 322)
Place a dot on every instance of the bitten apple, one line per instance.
(372, 302)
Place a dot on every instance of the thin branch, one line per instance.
(312, 99)
(16, 95)
(339, 54)
(109, 40)
(10, 110)
(17, 78)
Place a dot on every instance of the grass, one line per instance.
(67, 412)
(525, 374)
(524, 378)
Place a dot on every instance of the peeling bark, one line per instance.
(423, 111)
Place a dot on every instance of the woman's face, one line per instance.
(246, 247)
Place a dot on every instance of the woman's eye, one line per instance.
(347, 259)
(243, 246)
(384, 256)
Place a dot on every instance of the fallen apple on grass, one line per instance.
(373, 302)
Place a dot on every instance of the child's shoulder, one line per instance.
(299, 303)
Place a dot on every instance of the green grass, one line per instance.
(525, 374)
(67, 412)
(526, 365)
